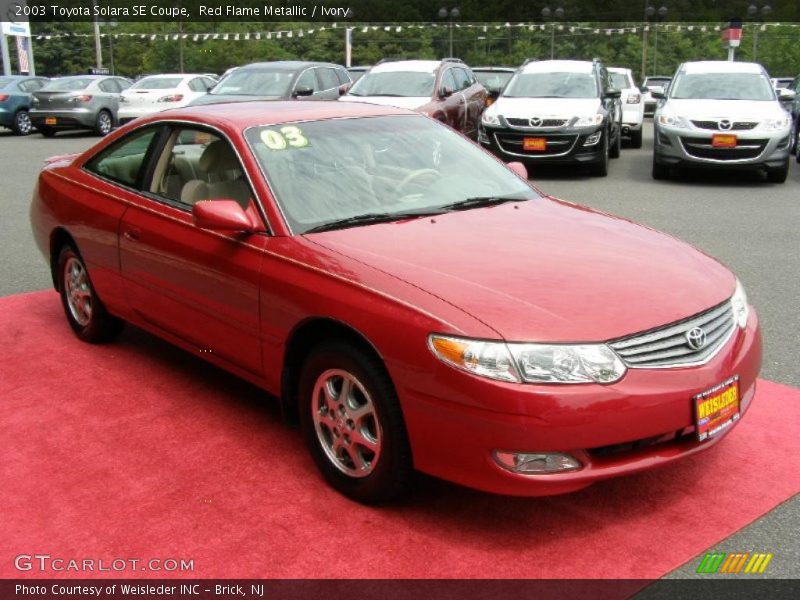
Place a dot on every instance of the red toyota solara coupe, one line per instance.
(414, 302)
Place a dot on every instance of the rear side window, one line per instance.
(123, 161)
(327, 79)
(462, 78)
(197, 85)
(109, 86)
(344, 76)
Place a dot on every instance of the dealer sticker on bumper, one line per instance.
(717, 409)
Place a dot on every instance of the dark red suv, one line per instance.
(443, 89)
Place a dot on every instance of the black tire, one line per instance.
(22, 123)
(104, 123)
(636, 139)
(660, 171)
(616, 147)
(793, 140)
(95, 326)
(779, 174)
(46, 131)
(600, 168)
(387, 476)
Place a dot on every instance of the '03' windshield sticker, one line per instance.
(286, 137)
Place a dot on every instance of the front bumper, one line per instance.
(456, 421)
(682, 147)
(65, 118)
(563, 146)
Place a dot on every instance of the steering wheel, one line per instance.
(413, 176)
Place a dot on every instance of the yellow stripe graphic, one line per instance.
(765, 563)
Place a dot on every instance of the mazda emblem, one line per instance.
(725, 124)
(696, 338)
(536, 122)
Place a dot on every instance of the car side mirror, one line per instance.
(613, 93)
(343, 89)
(221, 215)
(644, 89)
(519, 169)
(303, 90)
(786, 94)
(446, 91)
(658, 95)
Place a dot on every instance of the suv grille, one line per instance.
(544, 122)
(735, 126)
(557, 144)
(701, 147)
(669, 345)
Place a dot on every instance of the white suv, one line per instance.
(720, 114)
(632, 104)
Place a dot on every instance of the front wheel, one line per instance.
(600, 168)
(22, 123)
(779, 174)
(85, 312)
(352, 423)
(659, 171)
(636, 138)
(616, 147)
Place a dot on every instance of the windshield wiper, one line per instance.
(369, 218)
(479, 201)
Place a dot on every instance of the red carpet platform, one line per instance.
(138, 450)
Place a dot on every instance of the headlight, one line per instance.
(773, 124)
(673, 121)
(741, 309)
(588, 121)
(490, 118)
(532, 363)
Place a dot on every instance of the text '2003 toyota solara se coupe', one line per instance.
(411, 300)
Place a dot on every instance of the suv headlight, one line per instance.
(530, 363)
(741, 309)
(588, 121)
(776, 124)
(489, 117)
(672, 121)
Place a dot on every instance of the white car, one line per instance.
(720, 114)
(160, 92)
(632, 104)
(652, 84)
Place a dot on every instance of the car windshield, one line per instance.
(395, 83)
(495, 80)
(68, 84)
(255, 82)
(324, 172)
(552, 85)
(620, 81)
(157, 83)
(722, 86)
(657, 82)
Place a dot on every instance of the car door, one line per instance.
(612, 105)
(308, 80)
(452, 105)
(474, 98)
(197, 285)
(108, 99)
(329, 85)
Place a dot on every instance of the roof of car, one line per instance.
(422, 66)
(721, 66)
(286, 65)
(618, 70)
(21, 77)
(568, 66)
(502, 69)
(247, 114)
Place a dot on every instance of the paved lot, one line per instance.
(750, 225)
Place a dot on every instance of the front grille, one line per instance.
(514, 122)
(700, 147)
(735, 126)
(557, 144)
(668, 346)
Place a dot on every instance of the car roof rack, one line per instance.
(452, 59)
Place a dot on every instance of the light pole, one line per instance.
(98, 47)
(451, 15)
(111, 25)
(757, 14)
(660, 14)
(547, 15)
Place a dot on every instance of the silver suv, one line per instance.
(718, 114)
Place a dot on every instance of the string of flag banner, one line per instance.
(485, 28)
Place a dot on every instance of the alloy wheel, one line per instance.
(79, 293)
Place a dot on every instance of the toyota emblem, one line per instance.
(696, 338)
(725, 124)
(536, 122)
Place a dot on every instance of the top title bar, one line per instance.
(375, 11)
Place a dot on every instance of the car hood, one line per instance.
(546, 107)
(409, 102)
(725, 109)
(543, 270)
(220, 98)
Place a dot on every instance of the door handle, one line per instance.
(131, 234)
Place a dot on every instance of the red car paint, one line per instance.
(547, 271)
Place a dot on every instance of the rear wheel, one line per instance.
(352, 423)
(46, 131)
(85, 312)
(22, 123)
(779, 174)
(103, 124)
(636, 139)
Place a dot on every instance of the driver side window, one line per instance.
(448, 82)
(307, 80)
